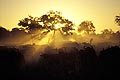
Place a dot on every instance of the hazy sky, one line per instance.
(101, 12)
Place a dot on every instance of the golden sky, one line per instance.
(101, 12)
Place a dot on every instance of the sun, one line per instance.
(58, 25)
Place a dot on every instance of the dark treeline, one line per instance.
(16, 35)
(65, 63)
(19, 36)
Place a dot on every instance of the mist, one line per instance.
(33, 45)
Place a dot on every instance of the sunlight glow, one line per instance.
(45, 40)
(58, 25)
(82, 33)
(71, 39)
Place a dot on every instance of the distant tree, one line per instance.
(18, 30)
(107, 31)
(108, 34)
(86, 26)
(4, 33)
(3, 30)
(117, 20)
(15, 29)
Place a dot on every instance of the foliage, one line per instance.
(4, 33)
(107, 31)
(55, 21)
(86, 26)
(30, 23)
(50, 21)
(117, 20)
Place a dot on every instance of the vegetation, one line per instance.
(68, 63)
(37, 28)
(48, 22)
(117, 20)
(87, 27)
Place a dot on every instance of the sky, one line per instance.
(101, 12)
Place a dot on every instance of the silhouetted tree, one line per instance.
(107, 31)
(55, 21)
(86, 26)
(30, 23)
(50, 21)
(4, 33)
(17, 31)
(33, 27)
(117, 20)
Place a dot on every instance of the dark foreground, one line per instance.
(68, 63)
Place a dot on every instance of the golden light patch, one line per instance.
(58, 25)
(71, 39)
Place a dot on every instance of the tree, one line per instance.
(51, 21)
(30, 23)
(108, 34)
(55, 21)
(86, 26)
(107, 31)
(16, 32)
(117, 20)
(4, 33)
(33, 27)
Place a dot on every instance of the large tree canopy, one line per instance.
(30, 23)
(50, 21)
